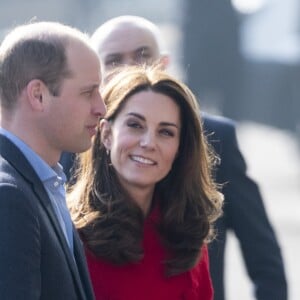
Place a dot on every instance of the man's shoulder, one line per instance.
(217, 120)
(218, 125)
(8, 174)
(14, 168)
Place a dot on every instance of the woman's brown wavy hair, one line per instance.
(110, 222)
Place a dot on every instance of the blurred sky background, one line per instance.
(242, 60)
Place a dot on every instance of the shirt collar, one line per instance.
(43, 170)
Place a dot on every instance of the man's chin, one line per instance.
(82, 148)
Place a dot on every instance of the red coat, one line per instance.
(145, 280)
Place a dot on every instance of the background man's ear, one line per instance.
(164, 60)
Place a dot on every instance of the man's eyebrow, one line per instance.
(113, 55)
(143, 48)
(90, 87)
(119, 54)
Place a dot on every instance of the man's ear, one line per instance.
(35, 90)
(106, 134)
(164, 60)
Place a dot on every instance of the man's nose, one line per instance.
(129, 61)
(99, 107)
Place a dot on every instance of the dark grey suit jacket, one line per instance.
(35, 261)
(245, 215)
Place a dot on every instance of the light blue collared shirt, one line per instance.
(53, 180)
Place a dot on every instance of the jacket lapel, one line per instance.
(82, 265)
(16, 158)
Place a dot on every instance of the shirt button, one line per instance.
(56, 183)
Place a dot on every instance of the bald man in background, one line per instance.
(129, 40)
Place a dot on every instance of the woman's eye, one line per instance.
(133, 124)
(167, 132)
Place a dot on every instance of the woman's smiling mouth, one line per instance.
(142, 160)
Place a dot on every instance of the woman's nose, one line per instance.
(147, 140)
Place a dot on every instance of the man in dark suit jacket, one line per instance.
(130, 40)
(245, 215)
(50, 102)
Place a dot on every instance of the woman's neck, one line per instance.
(143, 198)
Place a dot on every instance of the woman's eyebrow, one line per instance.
(163, 123)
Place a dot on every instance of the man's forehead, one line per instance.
(127, 39)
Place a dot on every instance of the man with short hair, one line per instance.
(50, 102)
(134, 40)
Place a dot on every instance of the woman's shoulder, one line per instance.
(200, 279)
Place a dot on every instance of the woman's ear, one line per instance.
(106, 135)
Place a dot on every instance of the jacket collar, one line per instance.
(15, 157)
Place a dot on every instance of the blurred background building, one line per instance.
(242, 60)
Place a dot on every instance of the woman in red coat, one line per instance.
(144, 200)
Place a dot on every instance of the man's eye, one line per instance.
(88, 94)
(143, 57)
(113, 62)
